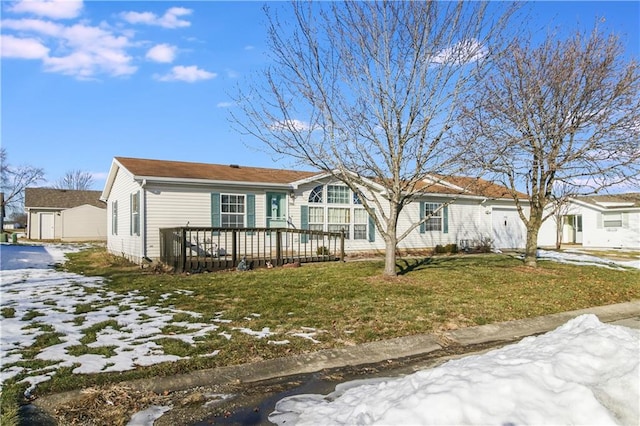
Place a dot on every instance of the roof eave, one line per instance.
(207, 182)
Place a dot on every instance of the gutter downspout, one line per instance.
(143, 219)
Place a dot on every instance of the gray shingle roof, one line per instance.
(61, 198)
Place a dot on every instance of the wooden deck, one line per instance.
(188, 249)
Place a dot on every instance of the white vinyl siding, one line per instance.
(121, 241)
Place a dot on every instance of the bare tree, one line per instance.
(367, 92)
(75, 179)
(14, 181)
(563, 112)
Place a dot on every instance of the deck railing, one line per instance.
(188, 249)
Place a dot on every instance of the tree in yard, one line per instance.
(560, 208)
(564, 112)
(14, 181)
(75, 179)
(367, 91)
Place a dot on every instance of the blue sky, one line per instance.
(84, 82)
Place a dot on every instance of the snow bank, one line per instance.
(584, 372)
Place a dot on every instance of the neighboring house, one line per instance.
(144, 196)
(598, 221)
(65, 214)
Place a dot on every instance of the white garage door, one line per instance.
(508, 230)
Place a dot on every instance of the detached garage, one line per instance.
(65, 214)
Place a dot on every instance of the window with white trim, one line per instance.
(360, 221)
(232, 210)
(135, 213)
(612, 220)
(316, 218)
(114, 218)
(434, 212)
(335, 208)
(338, 194)
(316, 194)
(339, 220)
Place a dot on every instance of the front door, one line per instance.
(47, 224)
(276, 210)
(572, 229)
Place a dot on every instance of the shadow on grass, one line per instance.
(406, 266)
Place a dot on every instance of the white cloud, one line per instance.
(297, 125)
(171, 18)
(461, 53)
(190, 74)
(249, 47)
(54, 9)
(78, 50)
(231, 73)
(22, 48)
(87, 51)
(224, 104)
(164, 53)
(33, 25)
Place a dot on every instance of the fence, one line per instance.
(213, 249)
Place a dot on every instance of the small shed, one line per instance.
(65, 214)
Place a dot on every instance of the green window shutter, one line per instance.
(251, 212)
(599, 221)
(372, 228)
(130, 214)
(215, 209)
(423, 226)
(445, 220)
(625, 220)
(304, 223)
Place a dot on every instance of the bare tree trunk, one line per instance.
(559, 224)
(391, 244)
(533, 228)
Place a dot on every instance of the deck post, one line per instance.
(183, 250)
(279, 260)
(342, 246)
(234, 248)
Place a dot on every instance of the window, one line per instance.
(135, 213)
(323, 213)
(316, 218)
(356, 199)
(360, 219)
(232, 211)
(316, 194)
(434, 212)
(114, 218)
(339, 220)
(612, 220)
(337, 194)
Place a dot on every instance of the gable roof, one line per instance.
(616, 201)
(189, 172)
(216, 172)
(60, 198)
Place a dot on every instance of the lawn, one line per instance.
(277, 312)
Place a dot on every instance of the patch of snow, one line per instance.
(149, 416)
(584, 372)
